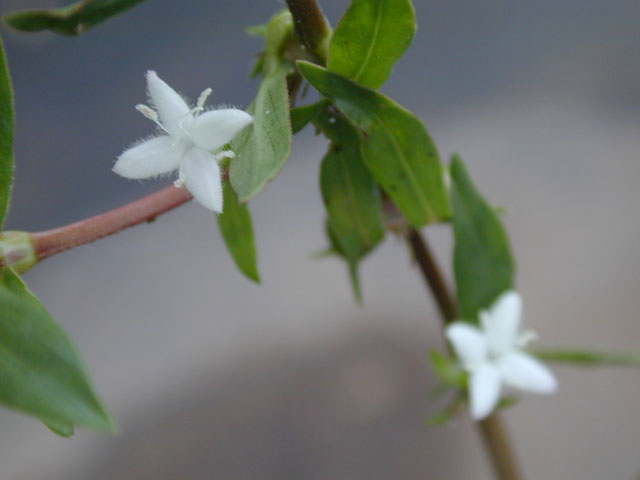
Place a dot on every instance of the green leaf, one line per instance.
(40, 370)
(507, 401)
(300, 116)
(277, 34)
(352, 263)
(589, 358)
(59, 427)
(73, 19)
(237, 231)
(263, 148)
(397, 148)
(483, 264)
(370, 37)
(448, 369)
(349, 191)
(447, 414)
(6, 135)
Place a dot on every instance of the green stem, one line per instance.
(493, 433)
(311, 27)
(588, 358)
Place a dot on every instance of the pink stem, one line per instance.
(146, 209)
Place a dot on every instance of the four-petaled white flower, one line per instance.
(493, 355)
(190, 142)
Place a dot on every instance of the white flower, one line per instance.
(493, 355)
(190, 142)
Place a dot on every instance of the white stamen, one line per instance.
(148, 112)
(151, 114)
(203, 98)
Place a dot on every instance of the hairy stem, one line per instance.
(146, 209)
(493, 433)
(311, 27)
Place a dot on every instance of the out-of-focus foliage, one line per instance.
(41, 372)
(73, 19)
(483, 264)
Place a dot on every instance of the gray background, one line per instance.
(210, 376)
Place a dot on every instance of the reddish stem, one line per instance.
(146, 209)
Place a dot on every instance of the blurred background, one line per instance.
(211, 376)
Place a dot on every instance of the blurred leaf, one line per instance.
(441, 417)
(507, 401)
(258, 66)
(447, 414)
(370, 37)
(397, 148)
(351, 196)
(300, 116)
(237, 231)
(40, 370)
(448, 369)
(349, 192)
(59, 427)
(589, 358)
(352, 263)
(482, 260)
(257, 30)
(6, 135)
(73, 19)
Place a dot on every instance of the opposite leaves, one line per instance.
(397, 148)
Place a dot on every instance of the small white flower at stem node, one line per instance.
(191, 145)
(493, 355)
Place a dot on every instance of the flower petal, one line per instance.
(468, 342)
(171, 107)
(214, 128)
(484, 390)
(151, 158)
(522, 371)
(502, 322)
(202, 178)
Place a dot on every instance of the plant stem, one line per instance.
(311, 27)
(432, 276)
(493, 433)
(497, 442)
(146, 209)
